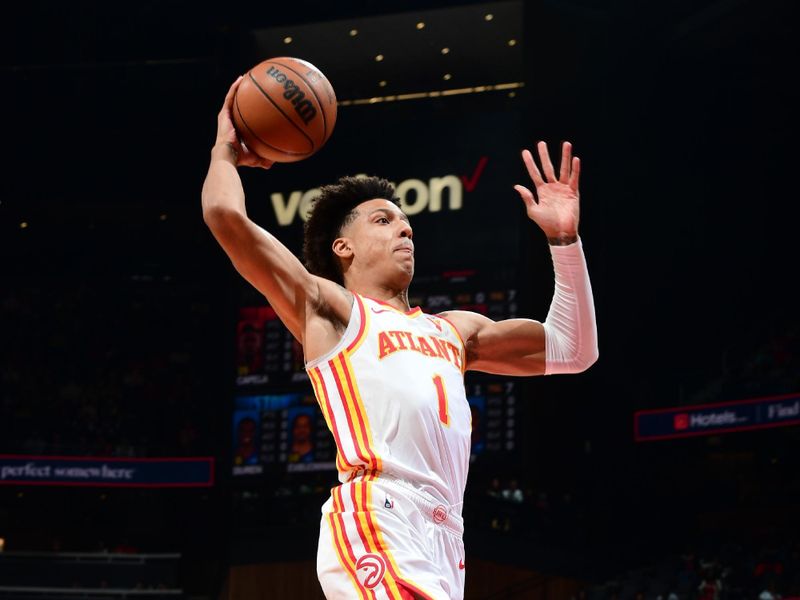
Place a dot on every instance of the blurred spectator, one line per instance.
(512, 493)
(710, 588)
(769, 593)
(494, 490)
(729, 578)
(135, 386)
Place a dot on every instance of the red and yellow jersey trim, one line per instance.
(346, 399)
(412, 313)
(344, 549)
(460, 339)
(359, 493)
(323, 399)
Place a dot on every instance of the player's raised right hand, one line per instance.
(226, 134)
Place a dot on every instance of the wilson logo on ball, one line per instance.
(370, 569)
(303, 107)
(284, 109)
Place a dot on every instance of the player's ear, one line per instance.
(342, 247)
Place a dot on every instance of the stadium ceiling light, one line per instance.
(433, 94)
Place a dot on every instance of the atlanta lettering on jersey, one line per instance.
(390, 342)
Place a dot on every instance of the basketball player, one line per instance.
(389, 378)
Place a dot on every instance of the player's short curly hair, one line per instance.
(331, 211)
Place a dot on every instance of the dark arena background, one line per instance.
(150, 400)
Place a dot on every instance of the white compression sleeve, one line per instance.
(570, 327)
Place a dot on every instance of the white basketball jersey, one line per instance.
(392, 393)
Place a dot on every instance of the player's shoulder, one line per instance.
(463, 316)
(466, 322)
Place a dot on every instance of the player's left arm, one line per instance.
(566, 342)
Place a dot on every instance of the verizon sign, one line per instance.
(445, 192)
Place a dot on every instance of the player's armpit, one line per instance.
(327, 318)
(304, 302)
(267, 265)
(510, 347)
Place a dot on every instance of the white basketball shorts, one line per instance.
(380, 539)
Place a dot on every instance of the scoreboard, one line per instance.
(277, 423)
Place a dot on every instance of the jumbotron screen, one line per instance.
(288, 430)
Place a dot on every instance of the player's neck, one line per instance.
(391, 296)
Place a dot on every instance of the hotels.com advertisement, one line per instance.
(712, 419)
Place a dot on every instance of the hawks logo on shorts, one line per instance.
(369, 570)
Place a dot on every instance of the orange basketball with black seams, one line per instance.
(284, 109)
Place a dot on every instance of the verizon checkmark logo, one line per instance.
(471, 182)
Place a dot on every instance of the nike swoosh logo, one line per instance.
(377, 312)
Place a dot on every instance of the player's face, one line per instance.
(249, 341)
(301, 431)
(247, 430)
(382, 239)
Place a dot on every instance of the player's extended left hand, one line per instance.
(555, 205)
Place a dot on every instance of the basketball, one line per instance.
(284, 109)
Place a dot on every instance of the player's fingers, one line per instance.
(266, 163)
(566, 159)
(533, 170)
(526, 195)
(249, 160)
(231, 93)
(547, 166)
(576, 173)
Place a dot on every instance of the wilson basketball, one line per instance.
(284, 109)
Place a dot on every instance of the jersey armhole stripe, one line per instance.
(364, 325)
(354, 331)
(460, 339)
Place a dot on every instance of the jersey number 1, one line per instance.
(441, 394)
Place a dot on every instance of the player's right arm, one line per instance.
(305, 303)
